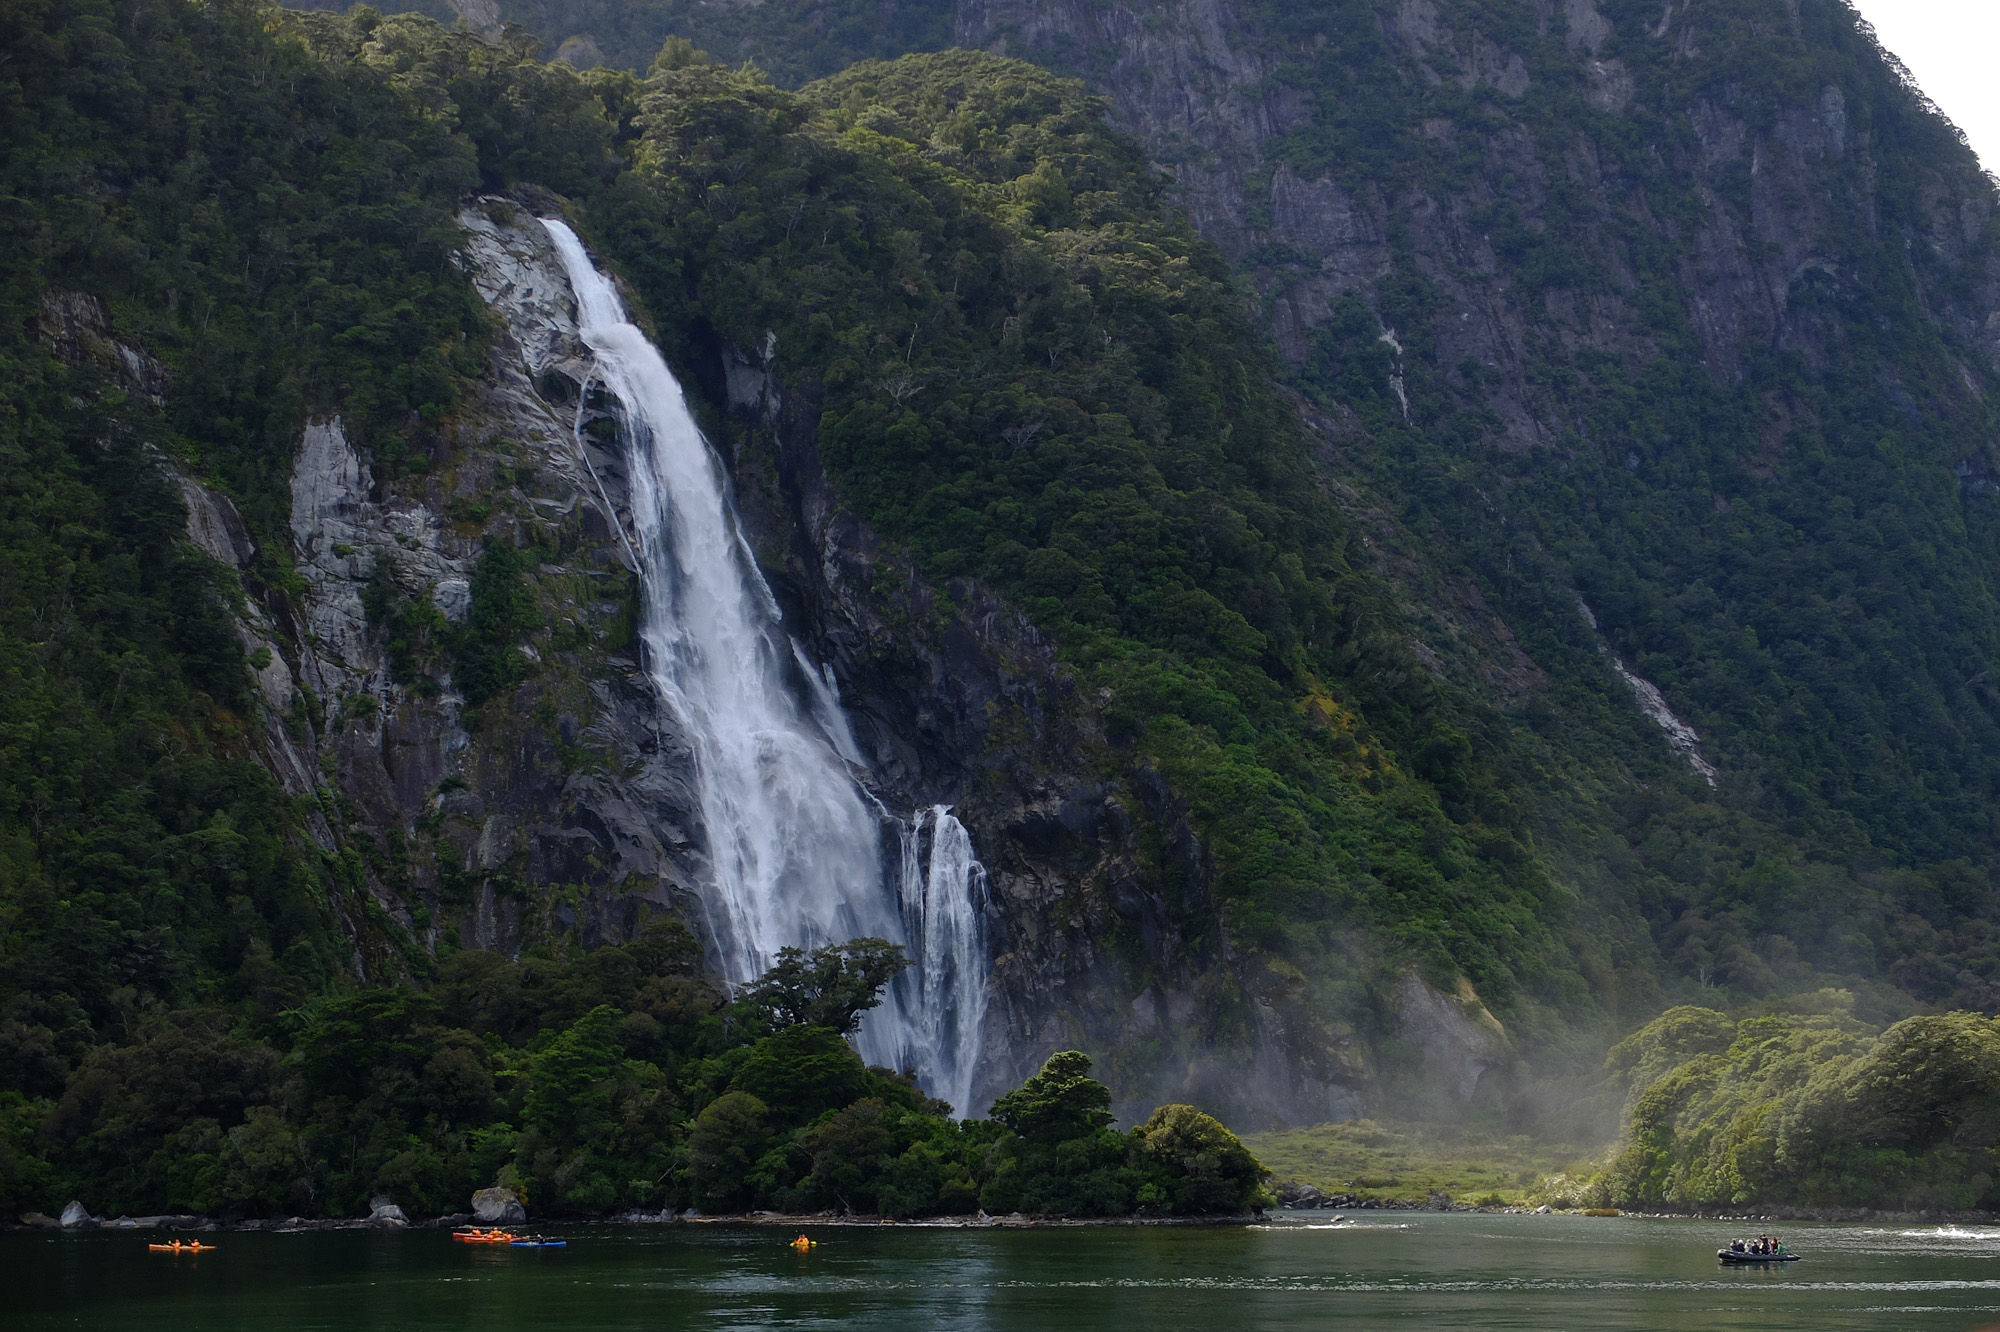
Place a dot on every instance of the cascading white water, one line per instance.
(941, 916)
(796, 851)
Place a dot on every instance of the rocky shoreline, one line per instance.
(786, 1220)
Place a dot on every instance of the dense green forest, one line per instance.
(1807, 1105)
(618, 1079)
(1787, 536)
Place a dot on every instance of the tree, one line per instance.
(728, 1138)
(1059, 1103)
(1207, 1168)
(831, 986)
(802, 1072)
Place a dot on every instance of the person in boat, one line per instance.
(1736, 1246)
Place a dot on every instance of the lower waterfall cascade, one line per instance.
(942, 895)
(795, 841)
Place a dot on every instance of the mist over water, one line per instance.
(795, 841)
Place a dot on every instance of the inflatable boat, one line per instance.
(1745, 1256)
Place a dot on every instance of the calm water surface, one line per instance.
(1376, 1271)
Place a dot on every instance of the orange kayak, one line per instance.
(191, 1246)
(483, 1237)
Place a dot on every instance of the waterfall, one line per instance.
(942, 894)
(795, 842)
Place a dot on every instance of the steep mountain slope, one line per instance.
(1009, 359)
(1310, 734)
(1668, 338)
(1687, 315)
(399, 637)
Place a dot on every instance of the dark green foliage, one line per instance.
(1065, 1158)
(267, 216)
(1057, 1104)
(228, 194)
(1814, 1109)
(616, 1078)
(800, 1073)
(729, 1137)
(1197, 1166)
(791, 40)
(831, 986)
(488, 653)
(147, 1120)
(549, 1070)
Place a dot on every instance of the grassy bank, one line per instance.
(1372, 1161)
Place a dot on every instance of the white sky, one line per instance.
(1953, 49)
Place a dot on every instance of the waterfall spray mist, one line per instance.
(795, 849)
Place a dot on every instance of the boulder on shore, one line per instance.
(498, 1207)
(40, 1220)
(385, 1213)
(77, 1217)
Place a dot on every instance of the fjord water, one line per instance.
(1378, 1271)
(795, 842)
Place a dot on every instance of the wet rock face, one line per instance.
(569, 805)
